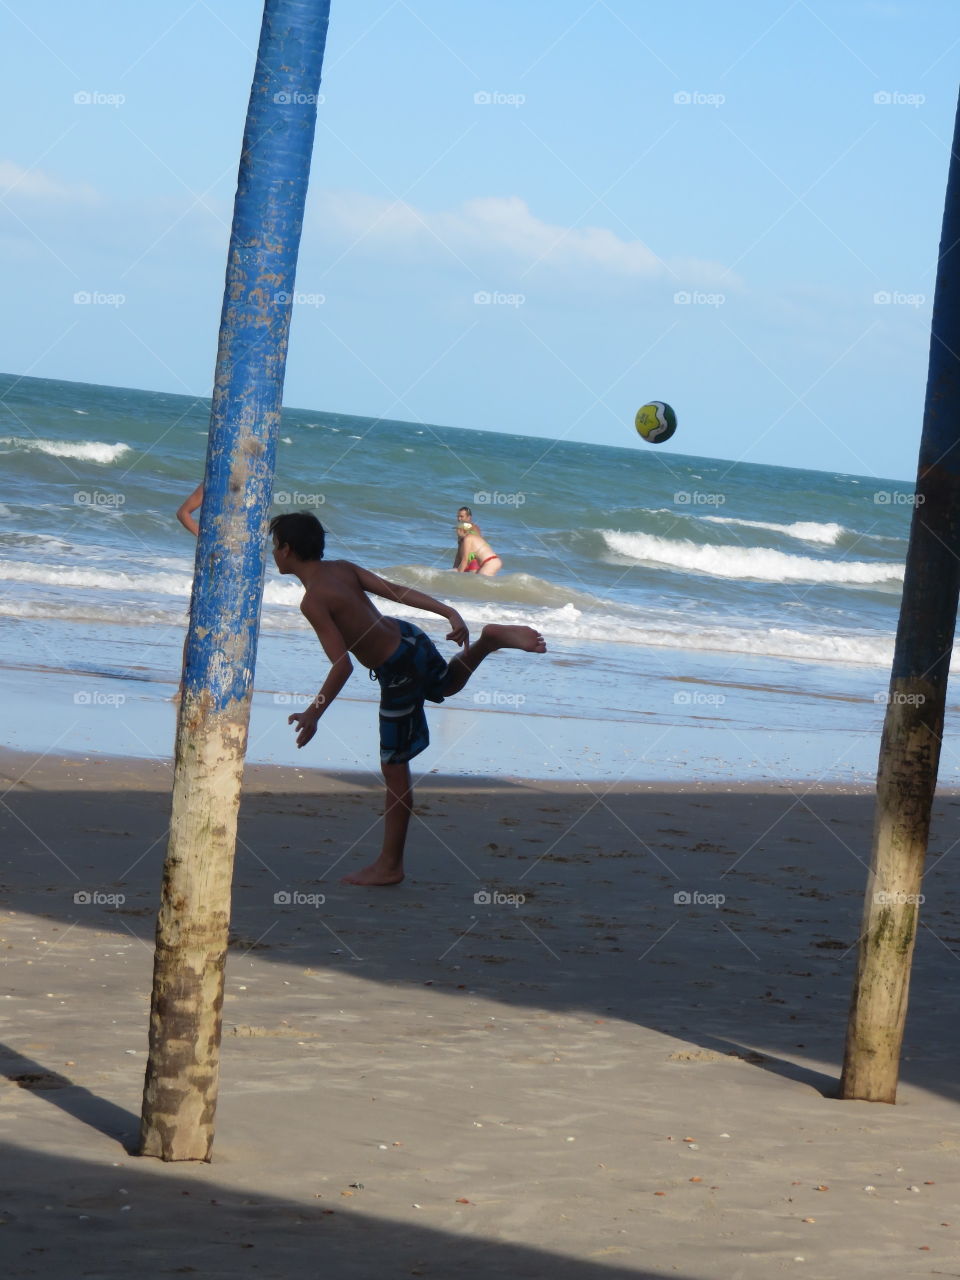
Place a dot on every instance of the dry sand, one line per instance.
(599, 1082)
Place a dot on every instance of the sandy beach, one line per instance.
(595, 1033)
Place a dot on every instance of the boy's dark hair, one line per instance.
(466, 509)
(301, 532)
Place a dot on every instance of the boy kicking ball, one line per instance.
(399, 655)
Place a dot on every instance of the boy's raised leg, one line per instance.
(494, 636)
(388, 868)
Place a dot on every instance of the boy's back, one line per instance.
(337, 589)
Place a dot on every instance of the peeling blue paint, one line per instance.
(254, 328)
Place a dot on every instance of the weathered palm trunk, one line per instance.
(910, 749)
(180, 1091)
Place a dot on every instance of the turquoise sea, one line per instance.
(704, 617)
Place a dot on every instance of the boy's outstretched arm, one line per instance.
(378, 586)
(341, 668)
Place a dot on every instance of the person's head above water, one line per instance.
(465, 523)
(299, 534)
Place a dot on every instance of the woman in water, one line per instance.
(474, 553)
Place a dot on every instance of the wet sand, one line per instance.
(596, 1033)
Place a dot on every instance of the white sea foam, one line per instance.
(569, 623)
(564, 624)
(164, 584)
(95, 579)
(80, 450)
(758, 564)
(804, 530)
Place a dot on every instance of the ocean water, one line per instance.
(675, 592)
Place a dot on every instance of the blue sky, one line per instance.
(735, 208)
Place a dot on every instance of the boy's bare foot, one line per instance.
(378, 873)
(500, 636)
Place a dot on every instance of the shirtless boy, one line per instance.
(398, 654)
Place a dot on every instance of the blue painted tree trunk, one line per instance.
(180, 1090)
(913, 726)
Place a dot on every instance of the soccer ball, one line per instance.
(656, 422)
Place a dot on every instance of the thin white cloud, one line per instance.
(504, 226)
(37, 184)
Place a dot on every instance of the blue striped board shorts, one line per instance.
(414, 672)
